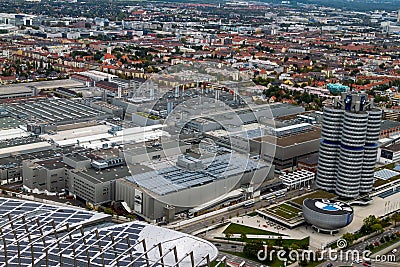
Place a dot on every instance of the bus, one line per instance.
(248, 204)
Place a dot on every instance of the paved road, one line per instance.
(380, 264)
(236, 260)
(228, 247)
(208, 221)
(361, 247)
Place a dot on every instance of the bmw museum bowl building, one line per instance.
(327, 216)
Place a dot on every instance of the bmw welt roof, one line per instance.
(37, 234)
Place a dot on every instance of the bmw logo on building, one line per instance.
(327, 214)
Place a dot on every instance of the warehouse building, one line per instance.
(45, 115)
(289, 148)
(45, 175)
(163, 188)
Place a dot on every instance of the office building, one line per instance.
(348, 149)
(297, 179)
(289, 144)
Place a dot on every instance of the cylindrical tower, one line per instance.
(329, 148)
(347, 155)
(351, 154)
(332, 124)
(327, 165)
(367, 175)
(370, 150)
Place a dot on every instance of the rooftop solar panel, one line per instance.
(385, 174)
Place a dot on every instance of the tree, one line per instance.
(279, 241)
(109, 211)
(243, 237)
(303, 263)
(396, 218)
(252, 248)
(228, 234)
(349, 237)
(131, 217)
(376, 227)
(369, 222)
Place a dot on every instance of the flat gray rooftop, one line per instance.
(173, 179)
(9, 122)
(106, 175)
(18, 141)
(77, 157)
(53, 111)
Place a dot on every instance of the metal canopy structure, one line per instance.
(36, 234)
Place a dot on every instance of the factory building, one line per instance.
(297, 143)
(161, 187)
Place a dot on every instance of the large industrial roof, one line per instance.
(55, 110)
(172, 179)
(43, 85)
(37, 234)
(294, 139)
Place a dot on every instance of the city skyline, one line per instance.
(200, 133)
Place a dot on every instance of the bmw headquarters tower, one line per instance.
(347, 154)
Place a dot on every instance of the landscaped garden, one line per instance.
(285, 210)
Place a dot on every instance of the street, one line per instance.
(213, 219)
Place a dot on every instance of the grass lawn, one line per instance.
(234, 228)
(286, 211)
(284, 214)
(300, 242)
(289, 208)
(316, 194)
